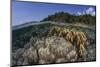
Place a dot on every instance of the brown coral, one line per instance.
(74, 37)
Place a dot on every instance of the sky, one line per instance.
(23, 12)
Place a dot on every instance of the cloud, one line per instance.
(93, 13)
(79, 13)
(90, 11)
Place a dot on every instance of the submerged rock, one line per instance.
(51, 50)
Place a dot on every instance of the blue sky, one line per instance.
(23, 12)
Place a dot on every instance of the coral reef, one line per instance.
(49, 43)
(76, 38)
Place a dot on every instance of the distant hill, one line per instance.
(68, 18)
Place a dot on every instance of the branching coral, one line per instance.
(78, 39)
(80, 42)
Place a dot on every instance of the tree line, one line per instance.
(69, 18)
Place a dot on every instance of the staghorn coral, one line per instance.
(78, 39)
